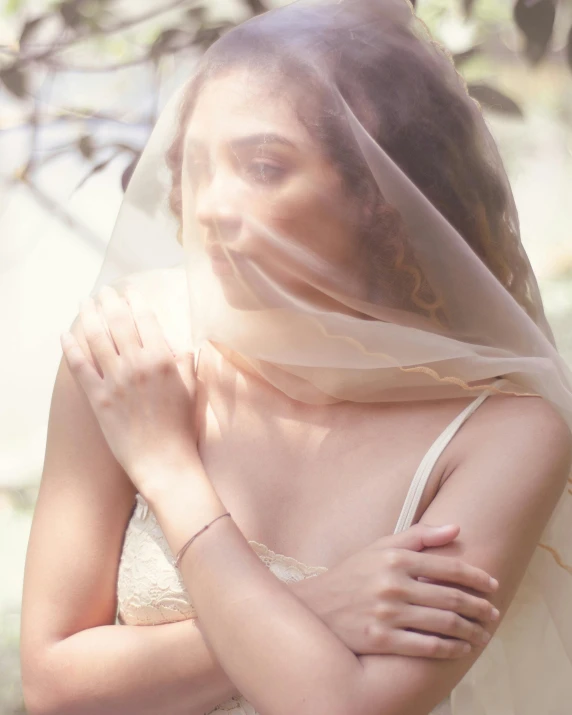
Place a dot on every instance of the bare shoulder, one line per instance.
(516, 429)
(518, 417)
(510, 463)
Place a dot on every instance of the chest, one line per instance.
(315, 483)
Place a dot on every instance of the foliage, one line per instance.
(70, 25)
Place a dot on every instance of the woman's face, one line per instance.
(264, 193)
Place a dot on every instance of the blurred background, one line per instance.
(81, 85)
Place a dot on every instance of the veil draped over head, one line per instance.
(323, 198)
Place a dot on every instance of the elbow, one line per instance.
(42, 686)
(37, 702)
(38, 690)
(327, 704)
(331, 699)
(337, 699)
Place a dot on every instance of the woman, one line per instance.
(356, 287)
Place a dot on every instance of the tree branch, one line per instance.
(101, 31)
(60, 66)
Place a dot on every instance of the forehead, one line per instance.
(240, 103)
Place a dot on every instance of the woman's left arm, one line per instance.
(501, 492)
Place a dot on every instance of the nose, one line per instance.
(217, 207)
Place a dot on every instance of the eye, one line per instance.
(261, 172)
(198, 169)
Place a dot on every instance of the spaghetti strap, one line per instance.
(423, 472)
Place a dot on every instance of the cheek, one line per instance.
(324, 221)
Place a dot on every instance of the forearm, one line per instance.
(139, 669)
(280, 655)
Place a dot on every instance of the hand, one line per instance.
(378, 599)
(142, 395)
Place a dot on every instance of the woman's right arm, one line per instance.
(74, 659)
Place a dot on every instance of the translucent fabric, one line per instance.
(324, 200)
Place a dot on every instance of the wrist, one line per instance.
(306, 590)
(183, 507)
(162, 480)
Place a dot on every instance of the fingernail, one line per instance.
(485, 638)
(495, 614)
(493, 582)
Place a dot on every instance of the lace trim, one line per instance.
(271, 557)
(237, 705)
(141, 507)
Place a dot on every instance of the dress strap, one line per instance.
(422, 474)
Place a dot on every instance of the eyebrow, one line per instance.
(257, 139)
(252, 140)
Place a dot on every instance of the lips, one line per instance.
(217, 254)
(221, 264)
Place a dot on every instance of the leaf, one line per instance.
(127, 147)
(493, 99)
(196, 13)
(257, 6)
(70, 13)
(29, 27)
(169, 40)
(85, 146)
(535, 18)
(15, 81)
(205, 36)
(94, 170)
(461, 57)
(468, 8)
(128, 173)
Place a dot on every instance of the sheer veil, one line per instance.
(367, 250)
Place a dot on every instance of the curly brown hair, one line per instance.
(407, 94)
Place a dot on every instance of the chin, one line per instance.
(237, 296)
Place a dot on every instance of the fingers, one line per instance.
(451, 570)
(122, 327)
(453, 599)
(447, 623)
(425, 646)
(438, 535)
(150, 331)
(98, 339)
(80, 366)
(420, 536)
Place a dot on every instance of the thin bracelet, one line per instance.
(189, 542)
